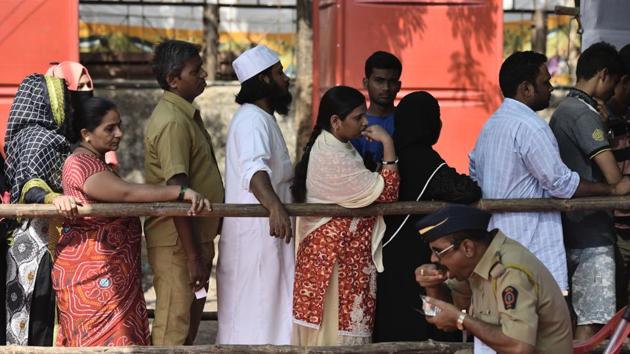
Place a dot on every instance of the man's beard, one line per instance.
(540, 105)
(280, 99)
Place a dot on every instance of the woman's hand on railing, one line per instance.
(66, 206)
(197, 200)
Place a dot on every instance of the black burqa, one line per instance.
(417, 129)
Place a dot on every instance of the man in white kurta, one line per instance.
(255, 269)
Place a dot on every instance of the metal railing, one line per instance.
(303, 209)
(256, 210)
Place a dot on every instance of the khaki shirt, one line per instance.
(513, 289)
(176, 141)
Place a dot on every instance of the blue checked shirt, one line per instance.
(516, 157)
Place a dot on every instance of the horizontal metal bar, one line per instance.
(256, 210)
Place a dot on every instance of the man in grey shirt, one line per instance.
(584, 148)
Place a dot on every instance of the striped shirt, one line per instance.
(516, 157)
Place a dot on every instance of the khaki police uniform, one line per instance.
(176, 142)
(511, 288)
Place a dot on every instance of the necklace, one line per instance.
(91, 149)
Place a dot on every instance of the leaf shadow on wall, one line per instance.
(475, 27)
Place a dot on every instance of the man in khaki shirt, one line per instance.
(514, 303)
(178, 150)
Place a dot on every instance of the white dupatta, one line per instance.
(336, 175)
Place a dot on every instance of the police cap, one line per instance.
(451, 219)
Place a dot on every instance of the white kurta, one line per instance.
(255, 271)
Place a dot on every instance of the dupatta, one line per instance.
(336, 175)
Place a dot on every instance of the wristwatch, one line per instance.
(182, 191)
(460, 321)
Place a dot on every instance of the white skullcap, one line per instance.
(254, 61)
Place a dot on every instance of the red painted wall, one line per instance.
(33, 33)
(451, 49)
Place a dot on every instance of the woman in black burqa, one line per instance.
(422, 170)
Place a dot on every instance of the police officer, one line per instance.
(514, 304)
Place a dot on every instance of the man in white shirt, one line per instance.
(256, 255)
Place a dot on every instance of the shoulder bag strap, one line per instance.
(417, 199)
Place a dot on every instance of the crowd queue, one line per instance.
(517, 281)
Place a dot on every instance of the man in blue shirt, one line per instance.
(382, 82)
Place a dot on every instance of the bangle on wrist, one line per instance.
(182, 191)
(460, 320)
(385, 162)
